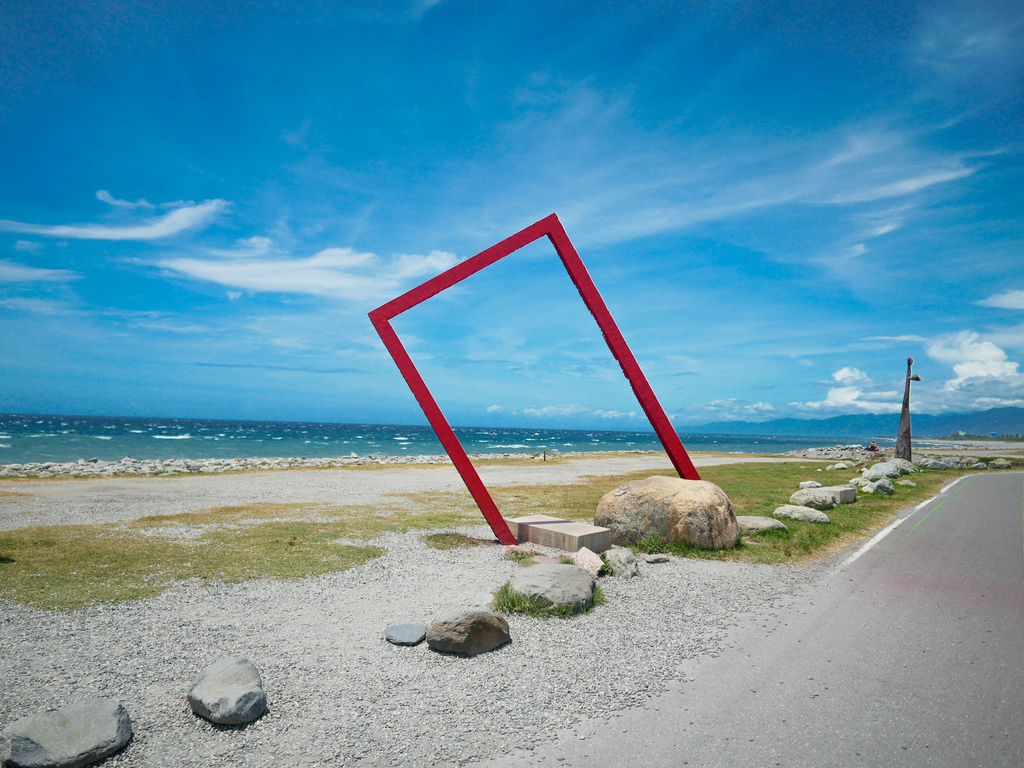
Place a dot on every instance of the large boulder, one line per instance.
(694, 512)
(905, 466)
(815, 498)
(556, 586)
(930, 463)
(228, 692)
(883, 486)
(469, 633)
(797, 512)
(70, 737)
(999, 464)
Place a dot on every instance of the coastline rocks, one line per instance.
(905, 466)
(999, 464)
(228, 692)
(814, 498)
(692, 511)
(797, 512)
(70, 737)
(622, 562)
(757, 523)
(556, 586)
(469, 633)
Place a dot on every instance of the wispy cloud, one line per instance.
(189, 216)
(336, 272)
(106, 197)
(1012, 299)
(12, 272)
(288, 368)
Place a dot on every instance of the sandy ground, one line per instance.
(107, 500)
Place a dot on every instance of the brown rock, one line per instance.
(468, 633)
(692, 511)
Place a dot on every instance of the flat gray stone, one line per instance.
(470, 632)
(656, 559)
(228, 692)
(406, 634)
(758, 523)
(816, 498)
(907, 483)
(70, 737)
(810, 484)
(806, 514)
(556, 586)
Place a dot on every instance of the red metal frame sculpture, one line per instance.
(552, 228)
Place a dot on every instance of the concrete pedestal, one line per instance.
(566, 535)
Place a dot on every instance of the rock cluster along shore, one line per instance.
(130, 466)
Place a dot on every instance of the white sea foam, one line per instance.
(517, 445)
(103, 437)
(172, 437)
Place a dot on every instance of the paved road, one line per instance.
(910, 655)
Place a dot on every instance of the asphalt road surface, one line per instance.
(909, 653)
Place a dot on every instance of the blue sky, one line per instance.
(779, 202)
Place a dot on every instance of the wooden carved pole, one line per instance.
(903, 447)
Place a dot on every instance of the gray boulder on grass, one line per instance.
(810, 484)
(695, 512)
(888, 468)
(622, 563)
(228, 692)
(814, 498)
(905, 466)
(757, 523)
(883, 486)
(806, 514)
(70, 737)
(555, 586)
(999, 464)
(471, 632)
(930, 463)
(907, 483)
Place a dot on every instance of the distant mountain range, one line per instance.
(1004, 421)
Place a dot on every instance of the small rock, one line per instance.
(228, 692)
(796, 512)
(656, 559)
(589, 561)
(556, 586)
(757, 523)
(471, 632)
(810, 484)
(814, 498)
(405, 634)
(622, 562)
(883, 486)
(907, 483)
(69, 737)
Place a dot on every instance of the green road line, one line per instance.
(934, 509)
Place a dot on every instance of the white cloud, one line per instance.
(848, 398)
(27, 246)
(850, 375)
(907, 338)
(38, 306)
(12, 272)
(615, 414)
(336, 272)
(557, 410)
(972, 359)
(189, 216)
(106, 197)
(495, 409)
(1005, 300)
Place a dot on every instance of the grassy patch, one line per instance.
(66, 567)
(507, 601)
(453, 541)
(754, 488)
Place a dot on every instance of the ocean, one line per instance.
(41, 438)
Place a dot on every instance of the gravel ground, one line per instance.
(338, 693)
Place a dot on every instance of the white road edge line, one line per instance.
(951, 485)
(882, 534)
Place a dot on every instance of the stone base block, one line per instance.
(566, 535)
(843, 494)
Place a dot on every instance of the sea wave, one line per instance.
(516, 445)
(172, 437)
(103, 437)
